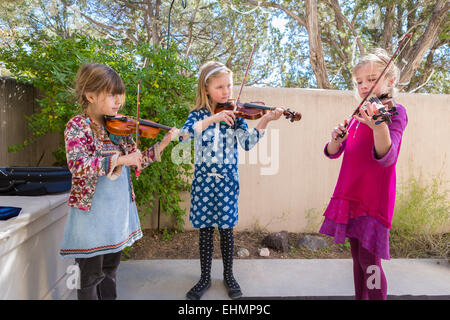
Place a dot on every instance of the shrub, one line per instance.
(51, 63)
(421, 220)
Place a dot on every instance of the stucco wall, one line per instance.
(285, 179)
(292, 194)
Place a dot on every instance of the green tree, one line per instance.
(333, 34)
(51, 63)
(317, 47)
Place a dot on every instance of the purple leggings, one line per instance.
(369, 278)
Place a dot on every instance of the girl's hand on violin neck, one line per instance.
(365, 116)
(265, 119)
(381, 135)
(226, 115)
(132, 159)
(172, 134)
(274, 114)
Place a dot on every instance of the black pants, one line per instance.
(98, 277)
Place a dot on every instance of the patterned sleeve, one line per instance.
(188, 127)
(396, 129)
(247, 138)
(149, 156)
(79, 149)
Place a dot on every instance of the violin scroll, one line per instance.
(292, 115)
(385, 109)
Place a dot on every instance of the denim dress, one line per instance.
(215, 185)
(111, 225)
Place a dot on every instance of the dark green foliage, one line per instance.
(50, 64)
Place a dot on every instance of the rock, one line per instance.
(242, 253)
(278, 241)
(312, 242)
(264, 252)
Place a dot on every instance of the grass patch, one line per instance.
(421, 222)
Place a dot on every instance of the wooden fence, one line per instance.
(17, 101)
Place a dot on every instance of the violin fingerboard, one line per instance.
(375, 100)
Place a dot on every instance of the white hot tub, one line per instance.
(30, 264)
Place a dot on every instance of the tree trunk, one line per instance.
(316, 54)
(388, 31)
(416, 54)
(155, 16)
(191, 27)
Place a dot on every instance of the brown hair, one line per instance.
(380, 58)
(202, 99)
(96, 78)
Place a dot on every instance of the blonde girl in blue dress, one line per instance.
(215, 185)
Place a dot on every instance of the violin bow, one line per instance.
(138, 172)
(138, 106)
(245, 77)
(401, 43)
(243, 82)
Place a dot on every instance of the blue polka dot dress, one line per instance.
(215, 185)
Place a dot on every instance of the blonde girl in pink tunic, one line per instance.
(362, 204)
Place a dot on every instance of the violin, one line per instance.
(122, 125)
(385, 110)
(254, 110)
(385, 106)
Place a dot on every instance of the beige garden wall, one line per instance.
(285, 179)
(294, 196)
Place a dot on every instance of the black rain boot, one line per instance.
(206, 247)
(227, 248)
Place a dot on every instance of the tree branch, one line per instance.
(290, 13)
(417, 52)
(101, 25)
(315, 46)
(388, 30)
(337, 11)
(190, 28)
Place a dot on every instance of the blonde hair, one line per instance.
(96, 78)
(380, 58)
(202, 99)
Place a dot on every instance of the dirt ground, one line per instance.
(184, 245)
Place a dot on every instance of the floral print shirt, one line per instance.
(89, 157)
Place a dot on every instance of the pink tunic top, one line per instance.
(366, 185)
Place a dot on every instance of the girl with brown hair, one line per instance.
(103, 218)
